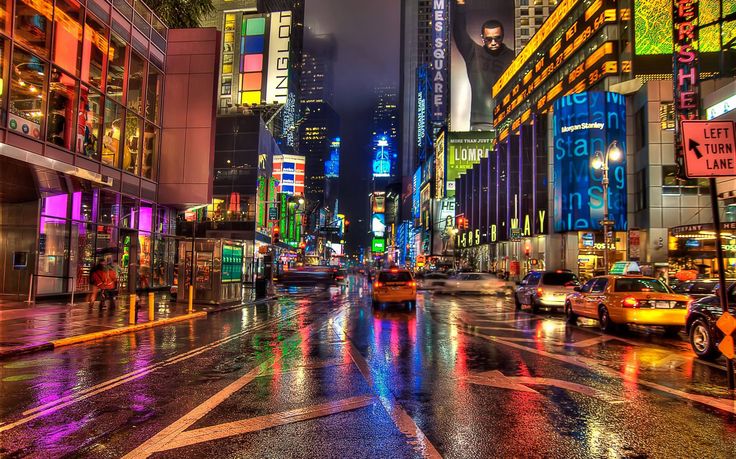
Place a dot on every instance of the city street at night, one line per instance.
(321, 373)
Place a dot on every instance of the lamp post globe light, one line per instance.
(601, 162)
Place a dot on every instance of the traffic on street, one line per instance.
(328, 371)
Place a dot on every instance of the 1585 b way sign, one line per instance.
(710, 149)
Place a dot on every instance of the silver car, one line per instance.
(482, 283)
(545, 289)
(432, 281)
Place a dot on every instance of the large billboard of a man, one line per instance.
(480, 31)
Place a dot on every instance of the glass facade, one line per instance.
(77, 84)
(79, 228)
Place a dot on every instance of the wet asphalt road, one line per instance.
(320, 374)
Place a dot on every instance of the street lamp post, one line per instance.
(600, 161)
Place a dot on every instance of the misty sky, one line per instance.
(367, 35)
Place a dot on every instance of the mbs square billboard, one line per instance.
(585, 125)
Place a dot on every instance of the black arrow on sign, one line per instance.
(693, 146)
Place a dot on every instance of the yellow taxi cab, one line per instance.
(619, 300)
(394, 286)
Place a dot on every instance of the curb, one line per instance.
(50, 345)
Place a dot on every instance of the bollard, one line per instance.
(191, 298)
(74, 286)
(151, 303)
(132, 309)
(30, 290)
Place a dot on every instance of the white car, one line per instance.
(482, 283)
(432, 281)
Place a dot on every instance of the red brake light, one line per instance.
(377, 284)
(412, 284)
(394, 270)
(630, 302)
(539, 291)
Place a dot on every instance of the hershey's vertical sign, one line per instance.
(686, 77)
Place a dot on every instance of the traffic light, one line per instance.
(347, 226)
(275, 235)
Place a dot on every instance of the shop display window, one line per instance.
(164, 250)
(62, 101)
(136, 74)
(128, 212)
(150, 152)
(82, 253)
(6, 20)
(113, 128)
(53, 253)
(55, 205)
(131, 157)
(4, 65)
(27, 94)
(89, 122)
(68, 18)
(95, 53)
(107, 243)
(33, 25)
(153, 94)
(109, 208)
(145, 242)
(84, 205)
(116, 70)
(145, 217)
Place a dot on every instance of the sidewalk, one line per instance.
(28, 328)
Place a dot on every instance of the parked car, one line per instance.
(394, 286)
(432, 281)
(699, 288)
(483, 283)
(620, 300)
(700, 323)
(546, 289)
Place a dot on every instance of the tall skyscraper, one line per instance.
(530, 14)
(320, 126)
(385, 133)
(317, 79)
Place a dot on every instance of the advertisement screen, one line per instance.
(332, 165)
(587, 127)
(444, 222)
(378, 202)
(464, 149)
(482, 48)
(378, 224)
(288, 171)
(415, 185)
(378, 245)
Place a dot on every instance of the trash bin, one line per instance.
(261, 287)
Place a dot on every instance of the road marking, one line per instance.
(671, 362)
(268, 421)
(597, 340)
(67, 400)
(401, 418)
(495, 378)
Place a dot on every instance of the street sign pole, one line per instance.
(721, 268)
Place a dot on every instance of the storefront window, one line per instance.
(33, 26)
(27, 94)
(128, 212)
(53, 249)
(109, 208)
(163, 260)
(94, 53)
(116, 70)
(68, 18)
(89, 122)
(133, 131)
(4, 58)
(82, 253)
(113, 128)
(145, 242)
(6, 6)
(84, 205)
(150, 150)
(107, 243)
(135, 83)
(62, 99)
(153, 94)
(145, 217)
(55, 206)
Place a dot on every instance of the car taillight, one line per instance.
(412, 284)
(630, 302)
(377, 284)
(539, 291)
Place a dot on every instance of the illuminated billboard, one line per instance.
(416, 183)
(439, 166)
(464, 149)
(438, 70)
(254, 64)
(378, 224)
(378, 202)
(378, 245)
(288, 171)
(585, 128)
(382, 158)
(482, 48)
(332, 165)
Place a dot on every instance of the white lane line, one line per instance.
(230, 429)
(401, 418)
(67, 400)
(170, 434)
(591, 364)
